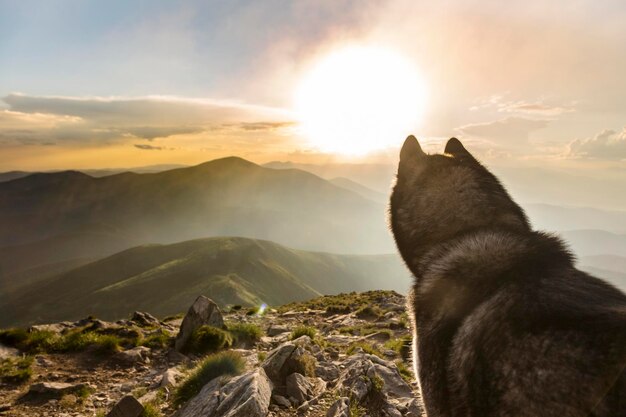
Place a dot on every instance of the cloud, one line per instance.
(608, 145)
(512, 131)
(537, 108)
(92, 120)
(148, 147)
(522, 107)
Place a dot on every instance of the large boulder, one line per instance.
(128, 406)
(202, 312)
(371, 381)
(247, 395)
(289, 358)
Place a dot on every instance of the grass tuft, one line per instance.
(16, 370)
(219, 364)
(303, 331)
(208, 339)
(245, 333)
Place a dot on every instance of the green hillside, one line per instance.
(165, 279)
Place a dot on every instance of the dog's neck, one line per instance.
(487, 252)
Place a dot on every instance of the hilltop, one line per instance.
(164, 279)
(343, 352)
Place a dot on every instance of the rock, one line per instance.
(275, 330)
(7, 352)
(54, 327)
(170, 377)
(367, 376)
(173, 356)
(340, 408)
(289, 358)
(202, 312)
(136, 355)
(327, 371)
(144, 319)
(128, 406)
(298, 388)
(55, 389)
(378, 336)
(281, 401)
(247, 395)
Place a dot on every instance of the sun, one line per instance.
(360, 99)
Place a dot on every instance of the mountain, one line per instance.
(12, 175)
(378, 177)
(165, 279)
(229, 196)
(595, 242)
(362, 190)
(559, 218)
(608, 262)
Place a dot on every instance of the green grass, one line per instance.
(219, 364)
(305, 365)
(402, 346)
(160, 339)
(367, 348)
(369, 312)
(208, 339)
(303, 331)
(151, 410)
(43, 341)
(405, 371)
(16, 370)
(245, 333)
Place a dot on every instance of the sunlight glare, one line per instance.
(360, 99)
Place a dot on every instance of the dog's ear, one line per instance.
(411, 150)
(455, 148)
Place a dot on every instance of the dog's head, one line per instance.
(439, 197)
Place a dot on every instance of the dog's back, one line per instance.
(504, 324)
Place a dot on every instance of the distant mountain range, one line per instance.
(57, 231)
(229, 196)
(165, 279)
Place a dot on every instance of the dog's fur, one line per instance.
(504, 324)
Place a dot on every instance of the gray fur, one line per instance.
(504, 324)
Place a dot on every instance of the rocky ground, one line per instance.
(344, 355)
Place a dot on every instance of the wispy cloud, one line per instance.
(84, 120)
(146, 147)
(608, 145)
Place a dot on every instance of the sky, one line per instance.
(92, 84)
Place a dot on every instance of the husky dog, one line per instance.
(504, 324)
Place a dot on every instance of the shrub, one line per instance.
(303, 331)
(16, 370)
(223, 363)
(77, 340)
(157, 340)
(262, 356)
(208, 339)
(337, 309)
(369, 312)
(236, 307)
(245, 333)
(305, 365)
(252, 311)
